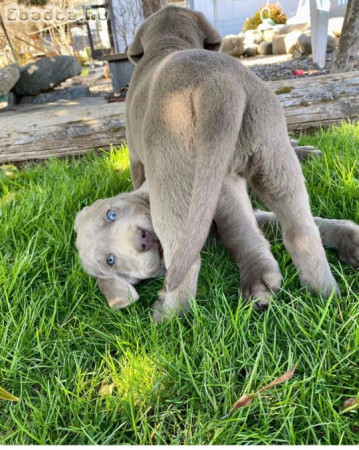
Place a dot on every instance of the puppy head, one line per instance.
(172, 23)
(118, 246)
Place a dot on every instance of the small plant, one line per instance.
(273, 12)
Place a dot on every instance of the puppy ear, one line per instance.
(211, 38)
(135, 50)
(118, 292)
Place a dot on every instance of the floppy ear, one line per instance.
(118, 292)
(135, 50)
(211, 38)
(78, 219)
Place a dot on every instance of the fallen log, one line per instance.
(319, 101)
(77, 127)
(73, 128)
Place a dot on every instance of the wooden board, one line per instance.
(79, 127)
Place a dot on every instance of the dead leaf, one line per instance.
(245, 400)
(106, 389)
(351, 403)
(8, 170)
(5, 395)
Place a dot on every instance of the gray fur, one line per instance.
(259, 273)
(194, 117)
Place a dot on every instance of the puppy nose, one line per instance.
(144, 240)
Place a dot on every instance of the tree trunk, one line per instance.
(349, 40)
(151, 6)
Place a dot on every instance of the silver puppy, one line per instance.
(195, 117)
(119, 230)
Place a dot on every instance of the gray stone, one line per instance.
(251, 51)
(265, 48)
(330, 43)
(45, 74)
(232, 44)
(8, 78)
(304, 43)
(71, 93)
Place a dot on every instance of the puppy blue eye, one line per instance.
(111, 215)
(111, 260)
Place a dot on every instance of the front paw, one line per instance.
(348, 244)
(260, 285)
(167, 306)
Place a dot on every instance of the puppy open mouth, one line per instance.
(146, 240)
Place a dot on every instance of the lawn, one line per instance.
(87, 375)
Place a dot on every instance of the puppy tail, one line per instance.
(206, 190)
(210, 171)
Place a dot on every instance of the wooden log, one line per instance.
(319, 101)
(60, 131)
(43, 132)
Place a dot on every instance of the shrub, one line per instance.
(276, 14)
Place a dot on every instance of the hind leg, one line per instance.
(280, 185)
(340, 235)
(238, 230)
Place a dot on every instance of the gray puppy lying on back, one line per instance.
(195, 118)
(121, 228)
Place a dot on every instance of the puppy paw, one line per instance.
(348, 244)
(307, 151)
(260, 286)
(159, 314)
(323, 286)
(162, 310)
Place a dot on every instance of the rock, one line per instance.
(251, 51)
(331, 43)
(70, 93)
(45, 74)
(296, 54)
(8, 78)
(265, 48)
(304, 43)
(232, 44)
(290, 41)
(294, 27)
(279, 45)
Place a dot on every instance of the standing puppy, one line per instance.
(193, 118)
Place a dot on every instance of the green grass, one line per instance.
(172, 382)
